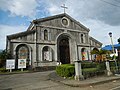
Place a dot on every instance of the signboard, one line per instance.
(10, 64)
(21, 63)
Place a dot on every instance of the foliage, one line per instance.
(3, 56)
(101, 54)
(88, 65)
(89, 69)
(119, 40)
(65, 70)
(90, 72)
(101, 66)
(3, 70)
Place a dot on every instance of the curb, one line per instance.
(61, 81)
(21, 72)
(89, 84)
(16, 73)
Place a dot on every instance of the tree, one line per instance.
(119, 41)
(3, 56)
(101, 54)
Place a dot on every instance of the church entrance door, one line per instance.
(64, 51)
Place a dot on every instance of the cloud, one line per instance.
(97, 15)
(8, 30)
(100, 30)
(20, 7)
(54, 6)
(87, 9)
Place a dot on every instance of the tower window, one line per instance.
(45, 35)
(82, 38)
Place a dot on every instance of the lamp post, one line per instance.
(110, 34)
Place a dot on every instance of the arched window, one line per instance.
(45, 35)
(84, 54)
(47, 54)
(82, 38)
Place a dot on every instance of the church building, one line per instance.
(53, 39)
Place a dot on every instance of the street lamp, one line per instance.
(110, 34)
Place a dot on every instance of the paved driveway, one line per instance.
(26, 81)
(40, 81)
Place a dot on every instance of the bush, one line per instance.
(66, 70)
(112, 63)
(101, 66)
(3, 70)
(88, 65)
(89, 69)
(113, 66)
(90, 72)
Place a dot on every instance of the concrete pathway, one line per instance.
(83, 83)
(44, 81)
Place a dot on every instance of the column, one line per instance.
(78, 71)
(50, 54)
(109, 73)
(34, 52)
(56, 53)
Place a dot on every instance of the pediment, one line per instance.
(61, 21)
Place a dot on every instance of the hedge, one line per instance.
(88, 65)
(90, 72)
(100, 65)
(65, 70)
(68, 70)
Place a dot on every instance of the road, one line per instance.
(41, 81)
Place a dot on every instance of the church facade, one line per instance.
(53, 39)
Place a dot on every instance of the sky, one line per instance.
(100, 16)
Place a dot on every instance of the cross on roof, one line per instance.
(64, 7)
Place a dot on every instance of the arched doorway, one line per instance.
(22, 52)
(64, 52)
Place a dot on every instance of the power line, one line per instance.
(110, 3)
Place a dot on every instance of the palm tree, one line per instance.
(101, 54)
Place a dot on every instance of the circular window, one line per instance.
(65, 21)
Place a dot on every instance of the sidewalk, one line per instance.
(88, 82)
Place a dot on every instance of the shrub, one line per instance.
(3, 70)
(65, 70)
(112, 63)
(90, 72)
(89, 69)
(88, 65)
(101, 66)
(113, 66)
